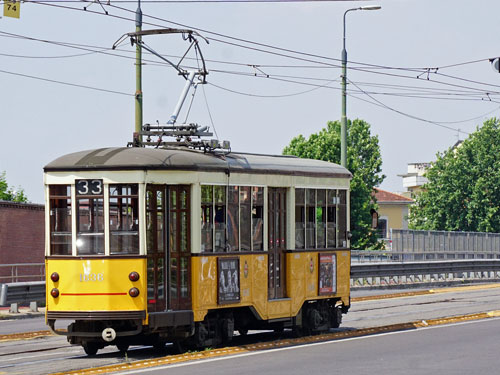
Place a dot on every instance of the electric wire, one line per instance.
(440, 124)
(66, 83)
(270, 96)
(267, 46)
(414, 69)
(87, 47)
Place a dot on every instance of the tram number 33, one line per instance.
(91, 277)
(89, 187)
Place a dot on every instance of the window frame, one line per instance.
(212, 220)
(74, 197)
(54, 197)
(314, 208)
(136, 214)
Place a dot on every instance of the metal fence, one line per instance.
(436, 245)
(420, 273)
(22, 272)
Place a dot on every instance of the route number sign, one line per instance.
(12, 8)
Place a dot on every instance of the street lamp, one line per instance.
(343, 119)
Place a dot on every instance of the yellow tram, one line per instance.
(175, 244)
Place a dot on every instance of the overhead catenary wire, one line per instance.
(66, 83)
(87, 47)
(440, 124)
(275, 76)
(422, 70)
(55, 3)
(366, 65)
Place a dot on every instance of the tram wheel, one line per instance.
(90, 348)
(336, 317)
(298, 331)
(178, 346)
(159, 345)
(243, 331)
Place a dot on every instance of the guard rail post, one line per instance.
(13, 294)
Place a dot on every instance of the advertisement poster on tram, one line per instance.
(228, 271)
(327, 274)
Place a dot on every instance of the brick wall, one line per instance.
(22, 235)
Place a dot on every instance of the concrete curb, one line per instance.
(24, 313)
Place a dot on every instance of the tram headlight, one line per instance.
(54, 292)
(133, 276)
(133, 292)
(54, 277)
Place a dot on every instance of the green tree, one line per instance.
(9, 194)
(463, 192)
(363, 160)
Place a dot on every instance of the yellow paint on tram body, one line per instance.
(96, 284)
(302, 283)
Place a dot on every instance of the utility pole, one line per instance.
(343, 118)
(138, 70)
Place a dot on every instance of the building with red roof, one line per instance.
(392, 211)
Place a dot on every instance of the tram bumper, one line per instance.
(124, 323)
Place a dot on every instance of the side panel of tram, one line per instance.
(302, 276)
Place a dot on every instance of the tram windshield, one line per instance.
(91, 211)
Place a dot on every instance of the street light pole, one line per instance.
(343, 118)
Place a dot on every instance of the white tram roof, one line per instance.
(179, 158)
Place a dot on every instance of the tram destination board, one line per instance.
(89, 187)
(228, 270)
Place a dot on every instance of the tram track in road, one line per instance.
(24, 335)
(33, 351)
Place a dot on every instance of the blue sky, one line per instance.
(41, 120)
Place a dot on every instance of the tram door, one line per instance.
(168, 248)
(277, 242)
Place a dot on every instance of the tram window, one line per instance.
(310, 218)
(220, 217)
(184, 232)
(124, 219)
(277, 218)
(207, 218)
(184, 277)
(60, 219)
(300, 218)
(257, 218)
(343, 218)
(245, 219)
(331, 219)
(316, 218)
(321, 218)
(90, 225)
(233, 222)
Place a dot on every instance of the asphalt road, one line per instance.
(466, 348)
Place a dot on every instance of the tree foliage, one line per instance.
(463, 192)
(363, 160)
(9, 194)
